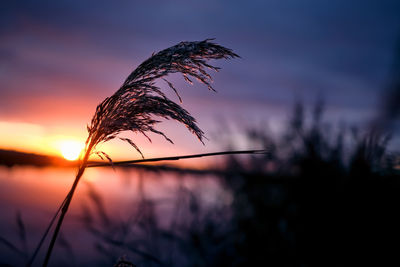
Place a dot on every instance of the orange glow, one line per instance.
(48, 139)
(71, 149)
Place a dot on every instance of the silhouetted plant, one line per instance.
(139, 100)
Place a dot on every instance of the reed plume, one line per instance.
(139, 102)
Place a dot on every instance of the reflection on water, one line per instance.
(108, 205)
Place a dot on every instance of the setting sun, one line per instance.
(70, 150)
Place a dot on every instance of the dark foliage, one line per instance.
(320, 195)
(329, 197)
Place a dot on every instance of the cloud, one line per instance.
(58, 51)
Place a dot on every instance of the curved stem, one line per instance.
(66, 206)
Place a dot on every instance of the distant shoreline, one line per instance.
(12, 158)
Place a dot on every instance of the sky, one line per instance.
(59, 59)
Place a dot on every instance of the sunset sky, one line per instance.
(59, 59)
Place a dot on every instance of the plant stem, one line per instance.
(129, 162)
(66, 206)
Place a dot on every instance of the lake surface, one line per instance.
(125, 204)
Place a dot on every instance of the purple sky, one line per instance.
(59, 59)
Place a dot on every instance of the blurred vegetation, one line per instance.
(320, 194)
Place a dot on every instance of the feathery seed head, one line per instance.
(139, 101)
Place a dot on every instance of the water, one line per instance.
(129, 205)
